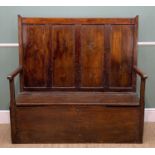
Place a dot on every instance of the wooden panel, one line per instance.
(78, 68)
(79, 20)
(92, 55)
(120, 72)
(36, 55)
(73, 98)
(63, 56)
(77, 124)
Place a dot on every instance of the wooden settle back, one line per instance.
(79, 54)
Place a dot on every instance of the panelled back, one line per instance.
(35, 55)
(121, 56)
(63, 59)
(78, 53)
(92, 55)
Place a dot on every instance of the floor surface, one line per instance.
(149, 140)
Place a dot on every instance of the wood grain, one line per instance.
(79, 20)
(63, 56)
(75, 53)
(78, 83)
(92, 56)
(121, 56)
(36, 54)
(77, 124)
(80, 98)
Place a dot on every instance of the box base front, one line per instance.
(77, 124)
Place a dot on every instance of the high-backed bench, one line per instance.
(77, 82)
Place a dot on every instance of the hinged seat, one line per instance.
(79, 98)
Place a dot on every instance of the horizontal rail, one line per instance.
(16, 44)
(9, 44)
(146, 43)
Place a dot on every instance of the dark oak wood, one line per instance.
(92, 56)
(140, 73)
(77, 124)
(142, 96)
(11, 77)
(20, 40)
(135, 35)
(77, 82)
(107, 52)
(36, 54)
(14, 73)
(77, 53)
(63, 56)
(117, 21)
(121, 56)
(77, 98)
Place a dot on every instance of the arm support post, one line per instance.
(142, 84)
(11, 77)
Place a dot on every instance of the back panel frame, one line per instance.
(100, 81)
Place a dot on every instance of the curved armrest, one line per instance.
(14, 73)
(142, 85)
(140, 73)
(12, 87)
